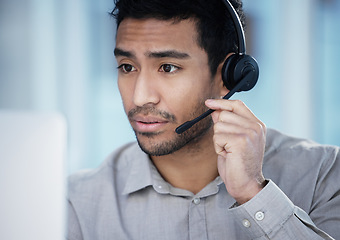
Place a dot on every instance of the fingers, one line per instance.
(234, 126)
(234, 112)
(236, 106)
(234, 119)
(230, 138)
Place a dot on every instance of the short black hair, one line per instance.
(216, 31)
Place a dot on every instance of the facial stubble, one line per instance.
(177, 141)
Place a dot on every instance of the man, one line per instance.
(228, 177)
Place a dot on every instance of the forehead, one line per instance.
(154, 33)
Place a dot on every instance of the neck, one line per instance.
(192, 167)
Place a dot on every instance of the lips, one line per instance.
(148, 123)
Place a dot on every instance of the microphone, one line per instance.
(247, 81)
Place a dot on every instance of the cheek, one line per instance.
(185, 104)
(126, 92)
(189, 92)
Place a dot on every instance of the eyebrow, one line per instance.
(160, 54)
(168, 54)
(122, 53)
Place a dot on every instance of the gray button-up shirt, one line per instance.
(126, 198)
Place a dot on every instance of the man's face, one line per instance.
(163, 79)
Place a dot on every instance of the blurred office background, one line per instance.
(57, 55)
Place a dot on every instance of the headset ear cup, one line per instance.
(236, 67)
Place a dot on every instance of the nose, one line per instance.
(146, 90)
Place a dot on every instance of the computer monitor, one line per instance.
(32, 176)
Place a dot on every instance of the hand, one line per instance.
(239, 140)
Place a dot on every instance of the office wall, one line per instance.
(58, 56)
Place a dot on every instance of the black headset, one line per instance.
(240, 65)
(240, 71)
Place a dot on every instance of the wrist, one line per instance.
(251, 191)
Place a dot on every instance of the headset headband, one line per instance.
(238, 27)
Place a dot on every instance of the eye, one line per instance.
(168, 68)
(126, 68)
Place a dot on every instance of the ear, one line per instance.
(222, 87)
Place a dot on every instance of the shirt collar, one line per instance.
(140, 175)
(143, 174)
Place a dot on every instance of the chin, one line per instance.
(153, 145)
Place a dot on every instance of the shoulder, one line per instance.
(281, 145)
(289, 159)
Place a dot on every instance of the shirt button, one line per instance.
(259, 216)
(246, 223)
(197, 201)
